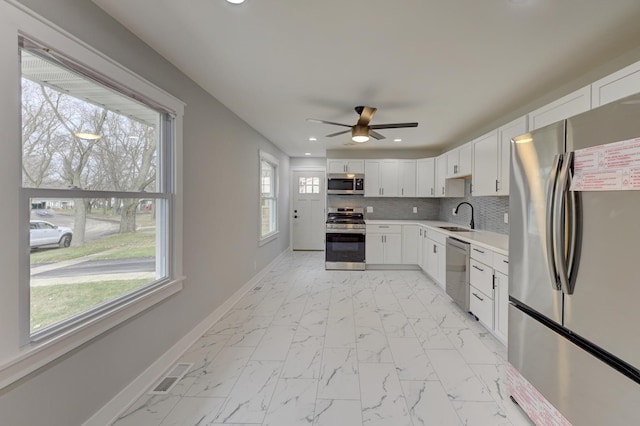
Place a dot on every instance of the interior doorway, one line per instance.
(308, 213)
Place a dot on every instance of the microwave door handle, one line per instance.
(560, 222)
(549, 213)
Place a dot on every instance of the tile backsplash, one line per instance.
(488, 211)
(389, 208)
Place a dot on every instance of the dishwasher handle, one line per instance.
(459, 245)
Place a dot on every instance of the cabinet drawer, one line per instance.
(384, 229)
(481, 254)
(501, 263)
(438, 237)
(481, 306)
(481, 277)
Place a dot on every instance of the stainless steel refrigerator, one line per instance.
(574, 272)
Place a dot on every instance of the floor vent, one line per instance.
(169, 381)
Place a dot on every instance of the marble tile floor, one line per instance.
(313, 347)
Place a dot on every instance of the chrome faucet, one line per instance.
(472, 224)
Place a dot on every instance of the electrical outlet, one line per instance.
(453, 212)
(506, 218)
(415, 210)
(369, 209)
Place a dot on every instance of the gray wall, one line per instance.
(488, 211)
(221, 218)
(308, 162)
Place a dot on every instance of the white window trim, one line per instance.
(265, 156)
(16, 361)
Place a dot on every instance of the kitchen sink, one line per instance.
(455, 229)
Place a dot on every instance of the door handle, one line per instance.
(479, 251)
(479, 269)
(432, 190)
(295, 217)
(479, 298)
(496, 185)
(561, 202)
(549, 221)
(435, 248)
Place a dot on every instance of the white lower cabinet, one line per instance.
(501, 309)
(436, 257)
(383, 244)
(501, 296)
(489, 291)
(410, 243)
(481, 306)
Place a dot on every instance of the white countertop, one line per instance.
(490, 240)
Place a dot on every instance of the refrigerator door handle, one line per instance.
(550, 221)
(560, 222)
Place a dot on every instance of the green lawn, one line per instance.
(50, 304)
(118, 246)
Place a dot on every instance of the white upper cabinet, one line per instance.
(567, 106)
(616, 86)
(425, 177)
(505, 133)
(381, 178)
(491, 159)
(485, 165)
(345, 166)
(407, 175)
(459, 161)
(447, 187)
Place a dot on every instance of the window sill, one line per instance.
(38, 355)
(268, 238)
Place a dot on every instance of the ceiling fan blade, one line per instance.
(375, 135)
(393, 125)
(366, 115)
(337, 133)
(313, 120)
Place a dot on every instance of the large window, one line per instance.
(96, 188)
(268, 197)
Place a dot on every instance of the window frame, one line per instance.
(20, 356)
(273, 161)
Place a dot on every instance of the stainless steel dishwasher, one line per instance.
(457, 278)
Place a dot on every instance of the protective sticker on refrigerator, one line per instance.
(609, 167)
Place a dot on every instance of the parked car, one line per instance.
(42, 234)
(44, 213)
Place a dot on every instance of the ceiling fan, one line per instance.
(361, 131)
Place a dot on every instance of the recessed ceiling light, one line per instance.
(235, 1)
(397, 140)
(307, 153)
(312, 139)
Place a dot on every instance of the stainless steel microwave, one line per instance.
(345, 183)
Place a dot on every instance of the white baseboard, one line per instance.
(110, 412)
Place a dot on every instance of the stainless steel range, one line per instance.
(345, 239)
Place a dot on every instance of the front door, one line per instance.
(308, 213)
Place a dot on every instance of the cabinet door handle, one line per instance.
(506, 261)
(496, 185)
(443, 190)
(432, 191)
(402, 191)
(479, 298)
(435, 248)
(495, 278)
(479, 269)
(420, 231)
(479, 251)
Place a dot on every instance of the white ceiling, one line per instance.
(451, 65)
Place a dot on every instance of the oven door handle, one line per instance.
(346, 231)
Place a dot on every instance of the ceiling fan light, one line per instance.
(360, 134)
